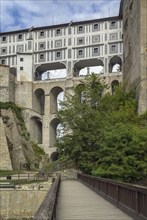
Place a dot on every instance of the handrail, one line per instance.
(47, 209)
(132, 199)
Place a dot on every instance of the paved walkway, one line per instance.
(77, 202)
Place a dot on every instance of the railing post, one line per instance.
(136, 201)
(117, 194)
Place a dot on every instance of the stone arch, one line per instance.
(53, 131)
(35, 125)
(84, 67)
(54, 156)
(39, 100)
(48, 71)
(115, 64)
(114, 85)
(54, 99)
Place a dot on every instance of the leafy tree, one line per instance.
(103, 133)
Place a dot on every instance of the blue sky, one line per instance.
(21, 14)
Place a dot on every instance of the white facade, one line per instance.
(93, 43)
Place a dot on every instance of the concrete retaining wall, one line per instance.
(20, 204)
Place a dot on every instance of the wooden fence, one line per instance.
(131, 199)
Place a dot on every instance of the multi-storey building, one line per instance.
(67, 48)
(73, 46)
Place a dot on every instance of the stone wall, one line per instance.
(23, 94)
(143, 82)
(6, 84)
(20, 204)
(135, 49)
(5, 161)
(14, 138)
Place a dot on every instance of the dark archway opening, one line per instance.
(114, 86)
(115, 64)
(54, 99)
(36, 129)
(39, 100)
(49, 71)
(54, 156)
(85, 67)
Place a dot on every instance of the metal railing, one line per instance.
(132, 199)
(47, 209)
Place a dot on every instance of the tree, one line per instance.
(103, 133)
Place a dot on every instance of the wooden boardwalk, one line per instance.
(77, 202)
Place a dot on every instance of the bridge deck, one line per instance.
(77, 202)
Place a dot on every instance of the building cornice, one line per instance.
(62, 25)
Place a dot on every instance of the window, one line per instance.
(3, 50)
(96, 39)
(41, 33)
(41, 56)
(42, 46)
(21, 59)
(20, 37)
(113, 48)
(113, 36)
(4, 39)
(21, 67)
(58, 54)
(81, 28)
(80, 52)
(80, 40)
(58, 31)
(3, 62)
(113, 24)
(96, 27)
(96, 51)
(19, 48)
(58, 43)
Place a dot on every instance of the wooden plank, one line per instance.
(77, 202)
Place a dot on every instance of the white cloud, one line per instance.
(17, 14)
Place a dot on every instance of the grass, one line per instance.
(4, 173)
(22, 182)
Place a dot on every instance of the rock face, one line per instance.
(13, 143)
(14, 138)
(5, 161)
(134, 15)
(16, 150)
